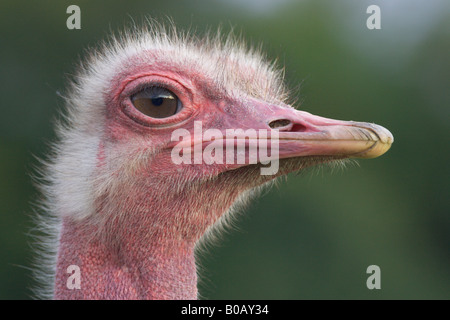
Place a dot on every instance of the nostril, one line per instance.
(298, 128)
(280, 123)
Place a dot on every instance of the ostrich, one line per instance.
(118, 208)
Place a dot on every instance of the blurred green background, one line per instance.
(315, 235)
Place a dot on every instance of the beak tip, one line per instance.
(385, 135)
(380, 146)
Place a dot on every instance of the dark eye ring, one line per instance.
(156, 102)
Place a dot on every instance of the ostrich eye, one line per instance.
(156, 102)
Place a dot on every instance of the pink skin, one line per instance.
(146, 251)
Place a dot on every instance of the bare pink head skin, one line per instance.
(129, 217)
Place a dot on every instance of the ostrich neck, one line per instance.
(137, 268)
(143, 248)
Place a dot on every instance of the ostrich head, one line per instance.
(128, 213)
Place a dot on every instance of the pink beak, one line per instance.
(306, 135)
(303, 134)
(297, 133)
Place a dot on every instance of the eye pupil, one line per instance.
(156, 102)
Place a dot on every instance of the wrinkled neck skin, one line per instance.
(134, 269)
(143, 246)
(142, 253)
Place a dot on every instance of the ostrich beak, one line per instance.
(296, 134)
(305, 134)
(291, 133)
